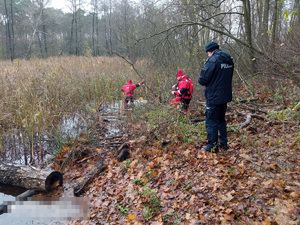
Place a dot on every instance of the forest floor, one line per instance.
(169, 181)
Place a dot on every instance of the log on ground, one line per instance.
(29, 177)
(83, 181)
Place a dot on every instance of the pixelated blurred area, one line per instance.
(64, 208)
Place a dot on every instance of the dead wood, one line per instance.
(247, 100)
(296, 107)
(123, 152)
(29, 177)
(83, 181)
(248, 120)
(250, 116)
(260, 105)
(25, 195)
(250, 109)
(198, 120)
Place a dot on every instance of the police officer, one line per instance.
(216, 76)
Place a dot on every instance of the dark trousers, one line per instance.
(215, 124)
(186, 103)
(128, 99)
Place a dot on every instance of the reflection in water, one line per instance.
(14, 143)
(70, 127)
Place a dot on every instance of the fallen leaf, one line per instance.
(159, 159)
(147, 153)
(167, 156)
(140, 174)
(187, 216)
(134, 163)
(186, 153)
(131, 217)
(232, 159)
(151, 165)
(228, 211)
(282, 219)
(267, 221)
(227, 197)
(156, 151)
(268, 182)
(245, 157)
(295, 194)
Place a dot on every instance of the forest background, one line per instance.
(56, 63)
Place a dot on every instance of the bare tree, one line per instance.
(274, 24)
(8, 30)
(95, 28)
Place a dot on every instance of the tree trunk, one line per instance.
(12, 30)
(110, 29)
(248, 30)
(44, 31)
(40, 43)
(93, 32)
(8, 32)
(266, 18)
(274, 24)
(29, 177)
(297, 7)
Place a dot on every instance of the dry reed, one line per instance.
(35, 94)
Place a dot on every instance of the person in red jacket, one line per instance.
(128, 91)
(183, 93)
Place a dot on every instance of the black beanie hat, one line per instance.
(211, 46)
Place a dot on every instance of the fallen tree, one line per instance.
(29, 177)
(83, 181)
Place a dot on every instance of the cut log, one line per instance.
(29, 177)
(83, 181)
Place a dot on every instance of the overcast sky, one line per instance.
(59, 4)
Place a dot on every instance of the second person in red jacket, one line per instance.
(184, 89)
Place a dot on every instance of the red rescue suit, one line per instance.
(182, 92)
(128, 91)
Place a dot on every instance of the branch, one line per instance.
(296, 107)
(132, 65)
(247, 100)
(248, 108)
(248, 120)
(243, 43)
(245, 81)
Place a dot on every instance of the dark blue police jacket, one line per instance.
(216, 76)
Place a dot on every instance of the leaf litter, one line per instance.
(256, 181)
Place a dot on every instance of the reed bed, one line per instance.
(36, 94)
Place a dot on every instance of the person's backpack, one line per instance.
(191, 86)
